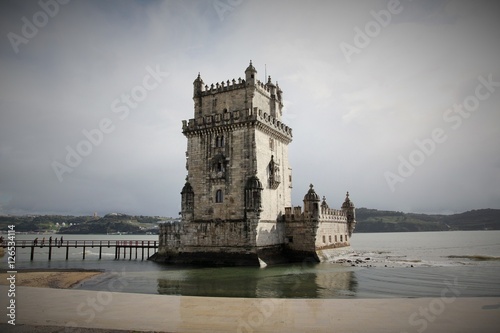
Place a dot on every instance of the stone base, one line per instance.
(262, 256)
(330, 254)
(207, 259)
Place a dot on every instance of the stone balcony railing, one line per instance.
(238, 117)
(325, 214)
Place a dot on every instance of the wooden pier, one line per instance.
(124, 249)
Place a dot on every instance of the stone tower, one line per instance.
(237, 152)
(236, 202)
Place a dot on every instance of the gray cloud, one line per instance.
(351, 120)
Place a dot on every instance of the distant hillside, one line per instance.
(40, 223)
(110, 223)
(372, 220)
(115, 223)
(369, 220)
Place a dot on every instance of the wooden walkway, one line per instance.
(123, 248)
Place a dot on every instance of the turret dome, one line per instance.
(311, 195)
(250, 68)
(347, 202)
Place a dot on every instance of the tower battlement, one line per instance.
(264, 88)
(241, 94)
(221, 87)
(324, 213)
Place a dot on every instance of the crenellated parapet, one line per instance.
(207, 90)
(296, 214)
(266, 89)
(266, 121)
(333, 215)
(293, 214)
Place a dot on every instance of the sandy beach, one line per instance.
(46, 302)
(71, 310)
(61, 279)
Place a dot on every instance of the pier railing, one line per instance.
(120, 247)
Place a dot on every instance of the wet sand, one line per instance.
(61, 279)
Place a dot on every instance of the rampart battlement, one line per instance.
(238, 117)
(332, 214)
(325, 214)
(294, 214)
(266, 89)
(222, 86)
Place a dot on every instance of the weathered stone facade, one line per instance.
(236, 203)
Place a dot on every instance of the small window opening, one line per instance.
(218, 196)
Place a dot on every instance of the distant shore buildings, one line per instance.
(236, 202)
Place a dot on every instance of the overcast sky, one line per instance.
(397, 103)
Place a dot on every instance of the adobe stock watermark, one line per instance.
(120, 106)
(453, 116)
(372, 29)
(425, 316)
(225, 7)
(30, 28)
(92, 306)
(263, 309)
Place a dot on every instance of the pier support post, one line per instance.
(67, 250)
(100, 250)
(50, 251)
(32, 252)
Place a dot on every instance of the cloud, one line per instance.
(357, 117)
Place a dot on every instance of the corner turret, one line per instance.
(250, 74)
(311, 203)
(349, 209)
(187, 201)
(197, 91)
(253, 196)
(197, 86)
(270, 85)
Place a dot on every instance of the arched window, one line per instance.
(218, 196)
(219, 141)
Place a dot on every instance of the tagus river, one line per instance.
(414, 264)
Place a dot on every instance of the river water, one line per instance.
(413, 264)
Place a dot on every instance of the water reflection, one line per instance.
(287, 281)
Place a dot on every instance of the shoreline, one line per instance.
(51, 278)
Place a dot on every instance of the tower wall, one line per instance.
(212, 168)
(277, 186)
(216, 100)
